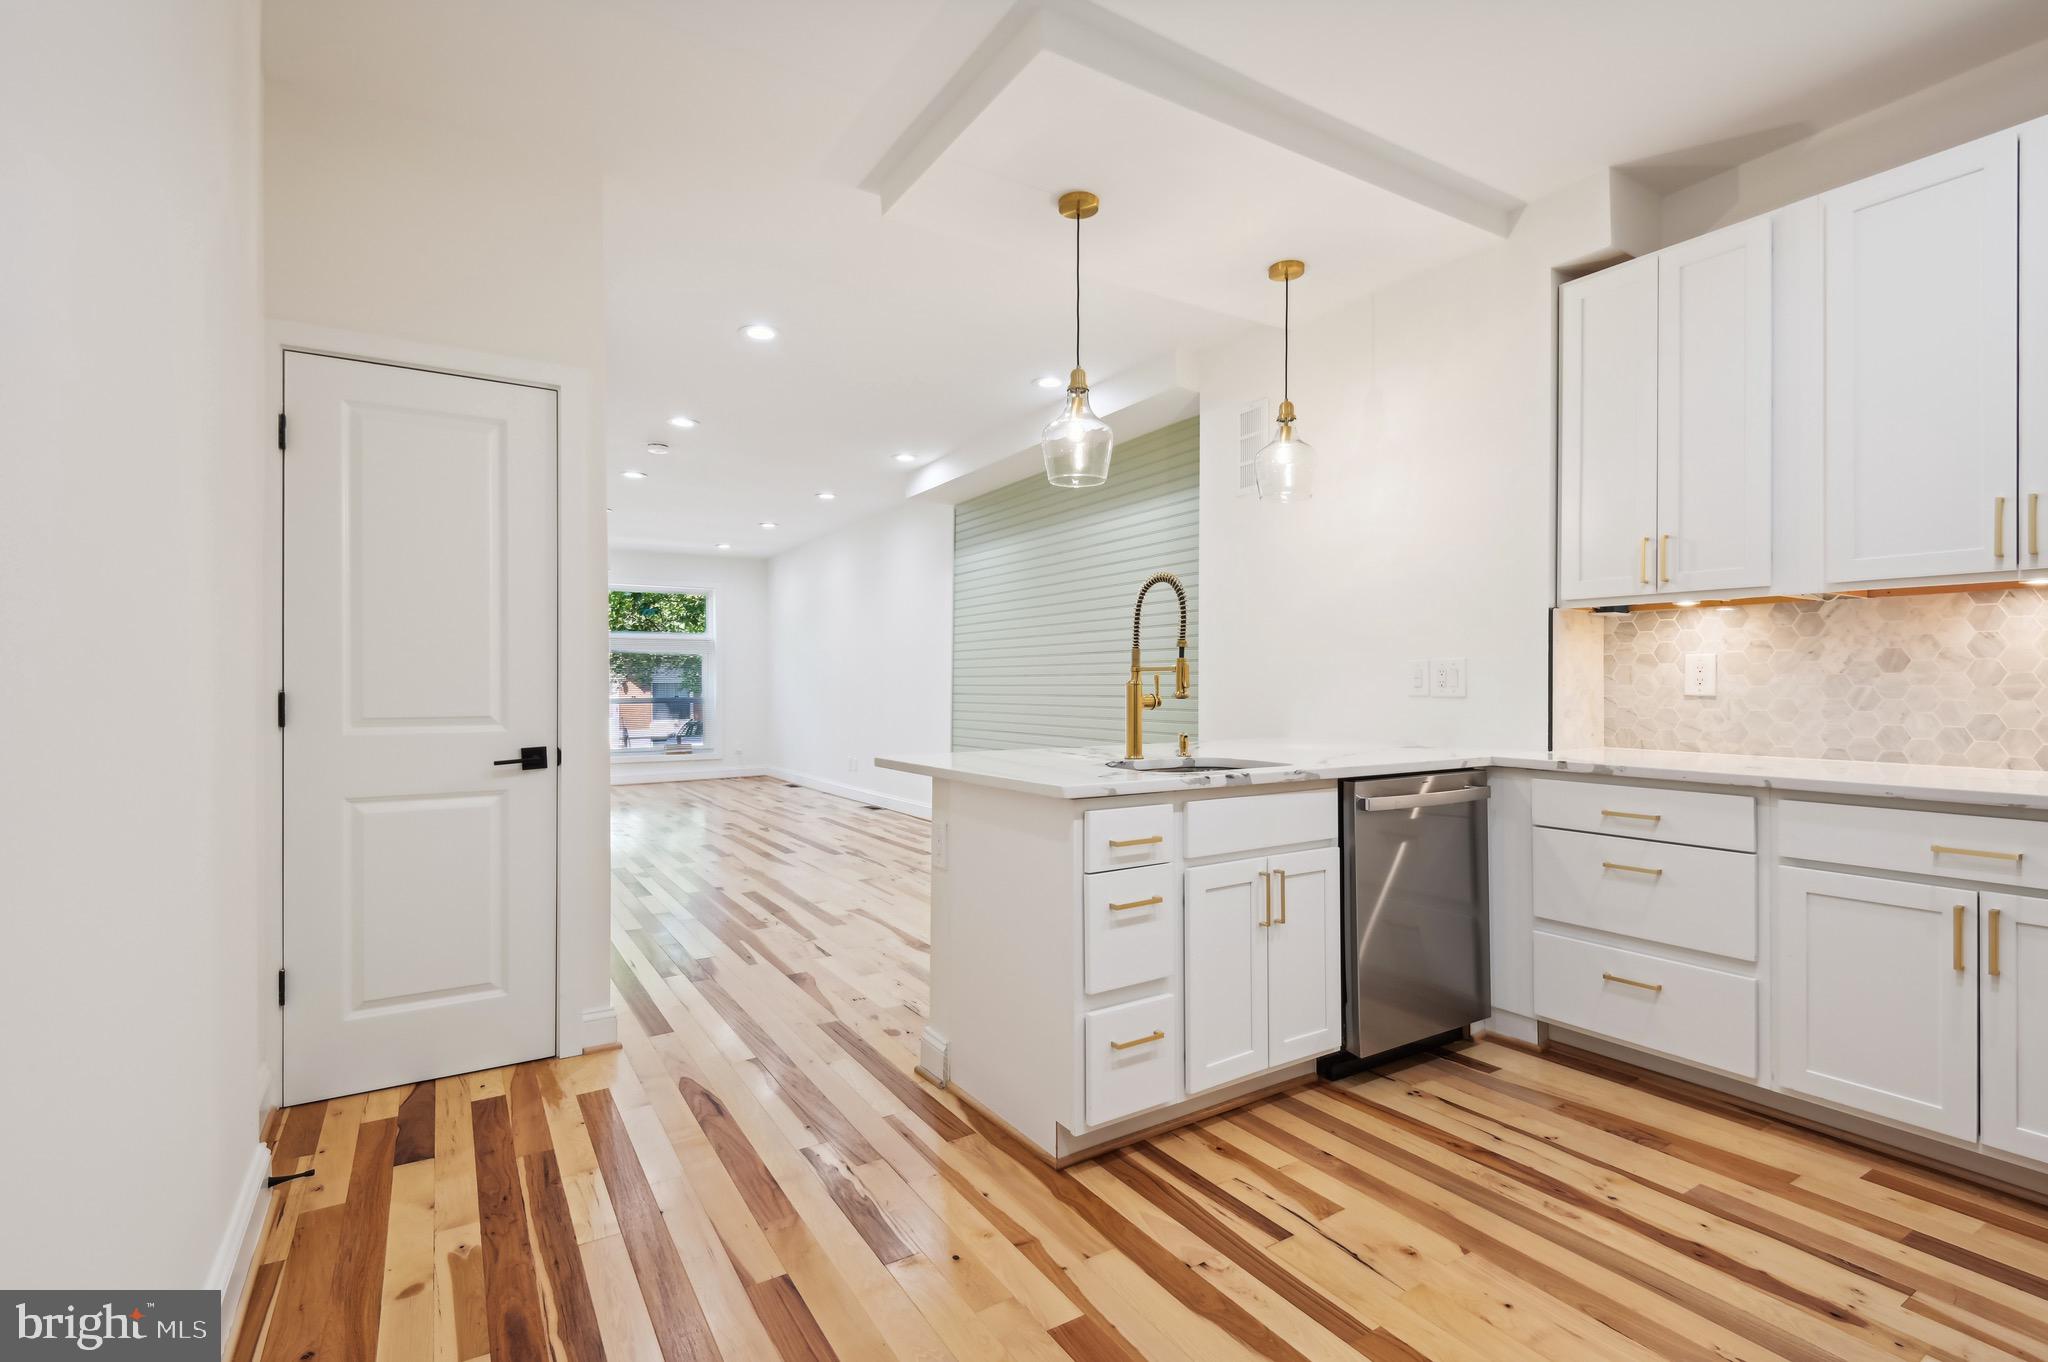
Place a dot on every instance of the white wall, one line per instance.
(862, 653)
(140, 760)
(739, 625)
(425, 230)
(1429, 534)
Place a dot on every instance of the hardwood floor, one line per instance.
(757, 1175)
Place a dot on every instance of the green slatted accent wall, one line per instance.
(1043, 582)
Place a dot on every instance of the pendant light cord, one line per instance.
(1077, 290)
(1286, 334)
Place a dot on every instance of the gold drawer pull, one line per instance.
(1998, 532)
(1266, 887)
(1624, 813)
(1664, 560)
(1995, 915)
(1643, 561)
(1631, 869)
(1136, 903)
(2033, 524)
(1142, 1040)
(2013, 856)
(1116, 845)
(1960, 910)
(1281, 876)
(1633, 983)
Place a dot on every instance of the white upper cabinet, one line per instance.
(1922, 342)
(1714, 412)
(2033, 365)
(1607, 433)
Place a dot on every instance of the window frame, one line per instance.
(702, 645)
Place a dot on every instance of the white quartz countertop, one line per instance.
(1083, 772)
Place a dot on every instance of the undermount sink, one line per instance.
(1189, 764)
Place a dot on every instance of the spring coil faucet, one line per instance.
(1136, 698)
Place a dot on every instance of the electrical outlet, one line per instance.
(1699, 674)
(1418, 677)
(1447, 678)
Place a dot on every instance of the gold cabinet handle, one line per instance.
(1141, 1040)
(1633, 983)
(1998, 532)
(1266, 885)
(1118, 844)
(1664, 560)
(1995, 915)
(1623, 813)
(1136, 903)
(1631, 869)
(1643, 561)
(2033, 524)
(1959, 938)
(2014, 856)
(1281, 876)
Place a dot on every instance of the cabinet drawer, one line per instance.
(1131, 926)
(1133, 1059)
(1957, 845)
(1139, 834)
(1686, 896)
(1230, 827)
(1693, 817)
(1686, 1011)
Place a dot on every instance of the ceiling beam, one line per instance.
(1087, 34)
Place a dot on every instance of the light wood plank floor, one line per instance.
(757, 1175)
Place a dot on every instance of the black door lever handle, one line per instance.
(529, 759)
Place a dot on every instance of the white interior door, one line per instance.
(2016, 1024)
(419, 658)
(1304, 989)
(1225, 935)
(1607, 432)
(1876, 997)
(1922, 342)
(1714, 411)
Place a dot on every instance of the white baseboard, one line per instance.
(650, 771)
(600, 1027)
(236, 1253)
(914, 808)
(1512, 1026)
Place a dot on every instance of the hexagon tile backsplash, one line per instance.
(1959, 679)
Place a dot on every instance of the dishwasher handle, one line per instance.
(1383, 803)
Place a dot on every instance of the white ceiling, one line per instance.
(733, 138)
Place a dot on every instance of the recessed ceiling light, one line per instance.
(826, 496)
(1048, 382)
(758, 331)
(767, 524)
(906, 458)
(634, 473)
(725, 546)
(656, 447)
(681, 422)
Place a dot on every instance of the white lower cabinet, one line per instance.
(1130, 1057)
(2015, 1021)
(1876, 997)
(1261, 969)
(1690, 1012)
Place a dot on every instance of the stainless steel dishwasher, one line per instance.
(1415, 962)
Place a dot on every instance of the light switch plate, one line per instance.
(1418, 677)
(1447, 677)
(1699, 674)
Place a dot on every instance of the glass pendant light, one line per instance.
(1077, 441)
(1285, 468)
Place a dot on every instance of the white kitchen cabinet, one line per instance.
(2033, 377)
(1607, 433)
(1876, 997)
(1262, 982)
(2014, 984)
(1713, 456)
(1922, 345)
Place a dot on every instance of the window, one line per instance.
(663, 673)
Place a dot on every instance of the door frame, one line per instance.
(584, 1016)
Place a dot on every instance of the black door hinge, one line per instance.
(280, 709)
(280, 988)
(280, 432)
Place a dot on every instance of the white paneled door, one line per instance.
(1305, 1004)
(419, 742)
(1922, 349)
(1226, 908)
(2033, 488)
(2015, 989)
(1607, 433)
